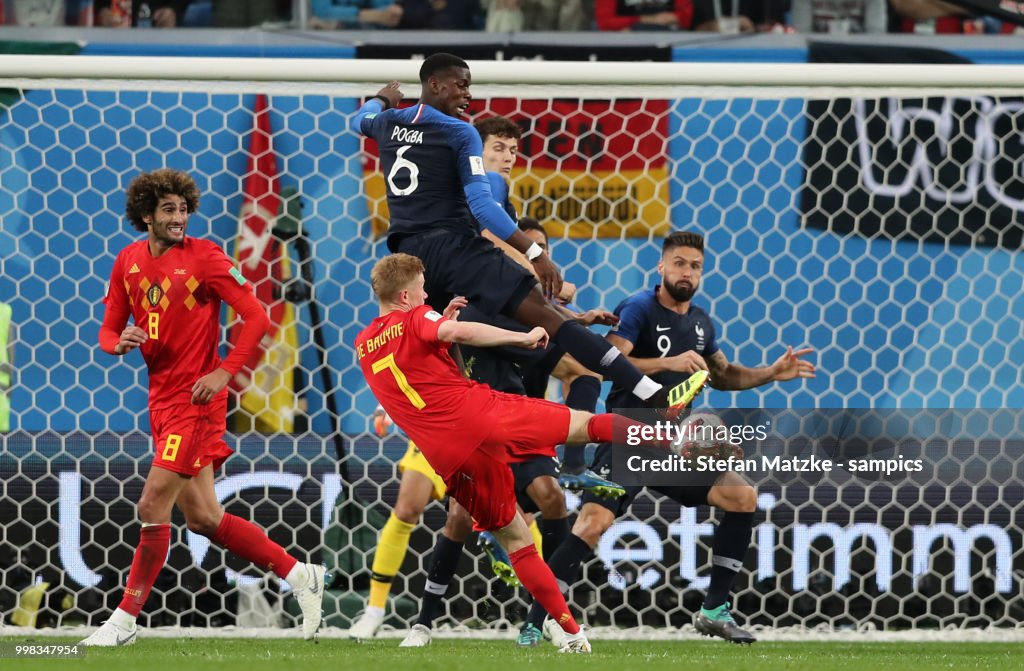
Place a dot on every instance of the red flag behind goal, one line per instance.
(266, 383)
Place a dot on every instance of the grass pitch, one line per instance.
(159, 654)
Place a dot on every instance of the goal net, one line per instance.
(872, 213)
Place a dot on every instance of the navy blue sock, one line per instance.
(597, 354)
(553, 533)
(443, 562)
(729, 547)
(565, 564)
(583, 394)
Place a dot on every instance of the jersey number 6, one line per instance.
(402, 163)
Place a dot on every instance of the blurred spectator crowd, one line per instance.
(839, 17)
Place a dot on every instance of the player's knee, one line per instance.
(591, 523)
(738, 498)
(579, 431)
(148, 512)
(565, 371)
(549, 498)
(408, 511)
(458, 525)
(205, 523)
(568, 370)
(554, 509)
(566, 377)
(748, 499)
(153, 506)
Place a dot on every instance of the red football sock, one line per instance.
(540, 582)
(612, 428)
(150, 555)
(248, 541)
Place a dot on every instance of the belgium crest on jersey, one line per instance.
(154, 294)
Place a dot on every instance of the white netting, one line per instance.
(883, 232)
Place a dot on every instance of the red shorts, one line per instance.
(190, 437)
(522, 428)
(485, 487)
(527, 427)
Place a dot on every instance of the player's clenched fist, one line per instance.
(537, 338)
(131, 337)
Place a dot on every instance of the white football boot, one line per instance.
(368, 624)
(418, 637)
(553, 632)
(311, 599)
(575, 643)
(110, 635)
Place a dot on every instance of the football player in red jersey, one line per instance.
(467, 431)
(172, 286)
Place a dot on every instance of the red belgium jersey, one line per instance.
(416, 381)
(176, 299)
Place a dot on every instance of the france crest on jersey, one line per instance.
(657, 332)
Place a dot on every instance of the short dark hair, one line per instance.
(531, 224)
(440, 62)
(498, 126)
(146, 190)
(683, 239)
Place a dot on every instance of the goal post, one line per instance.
(870, 212)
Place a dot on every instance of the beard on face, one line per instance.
(680, 294)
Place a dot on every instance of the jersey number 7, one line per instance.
(388, 362)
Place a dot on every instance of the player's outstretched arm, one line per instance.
(792, 365)
(385, 99)
(543, 267)
(485, 335)
(728, 376)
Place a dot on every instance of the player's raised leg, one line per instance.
(600, 356)
(205, 516)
